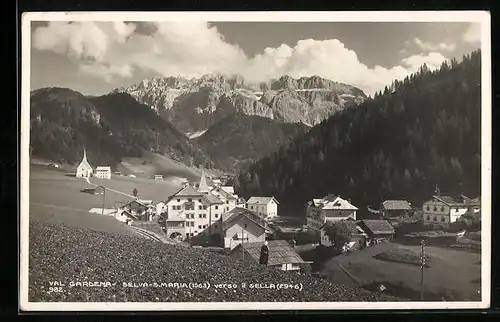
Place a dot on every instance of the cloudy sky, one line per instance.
(96, 57)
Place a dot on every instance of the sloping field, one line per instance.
(153, 163)
(453, 275)
(147, 188)
(70, 255)
(56, 198)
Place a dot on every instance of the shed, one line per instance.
(377, 230)
(281, 254)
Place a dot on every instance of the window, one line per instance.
(216, 215)
(187, 235)
(434, 218)
(442, 208)
(199, 200)
(199, 216)
(434, 208)
(216, 207)
(227, 202)
(190, 200)
(251, 207)
(227, 208)
(200, 207)
(442, 219)
(427, 208)
(199, 226)
(178, 200)
(192, 224)
(205, 226)
(246, 226)
(204, 207)
(204, 215)
(428, 217)
(192, 234)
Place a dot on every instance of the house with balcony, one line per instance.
(442, 210)
(198, 209)
(329, 208)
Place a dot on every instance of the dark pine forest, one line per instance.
(417, 133)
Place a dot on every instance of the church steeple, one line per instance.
(84, 155)
(203, 183)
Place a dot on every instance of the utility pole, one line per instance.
(103, 198)
(242, 248)
(422, 267)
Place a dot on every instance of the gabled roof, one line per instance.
(261, 200)
(228, 189)
(280, 252)
(333, 202)
(228, 217)
(396, 205)
(223, 193)
(460, 201)
(211, 199)
(144, 203)
(378, 226)
(188, 191)
(103, 168)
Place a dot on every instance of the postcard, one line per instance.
(255, 161)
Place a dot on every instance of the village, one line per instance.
(209, 214)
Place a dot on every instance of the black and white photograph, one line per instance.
(255, 160)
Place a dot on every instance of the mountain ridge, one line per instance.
(194, 104)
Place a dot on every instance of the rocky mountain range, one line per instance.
(194, 105)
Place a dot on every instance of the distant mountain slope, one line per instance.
(111, 127)
(193, 105)
(422, 131)
(238, 139)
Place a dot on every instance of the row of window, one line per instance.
(434, 208)
(434, 218)
(191, 216)
(199, 200)
(179, 207)
(441, 208)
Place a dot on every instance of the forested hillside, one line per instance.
(110, 127)
(419, 132)
(238, 139)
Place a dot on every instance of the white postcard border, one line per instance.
(482, 17)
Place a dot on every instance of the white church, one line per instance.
(84, 169)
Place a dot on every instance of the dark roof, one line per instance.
(187, 191)
(211, 199)
(224, 193)
(351, 225)
(280, 252)
(460, 201)
(378, 226)
(396, 205)
(229, 216)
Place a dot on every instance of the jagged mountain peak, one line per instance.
(194, 104)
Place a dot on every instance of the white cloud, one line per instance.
(109, 50)
(427, 46)
(473, 33)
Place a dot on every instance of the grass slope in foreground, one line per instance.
(66, 254)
